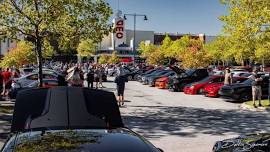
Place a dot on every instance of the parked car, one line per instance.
(248, 143)
(146, 79)
(191, 75)
(152, 79)
(242, 91)
(35, 84)
(162, 82)
(197, 87)
(32, 77)
(133, 75)
(211, 90)
(71, 119)
(139, 77)
(143, 78)
(25, 71)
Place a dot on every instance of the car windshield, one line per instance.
(78, 140)
(190, 72)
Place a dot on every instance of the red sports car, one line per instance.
(197, 87)
(211, 90)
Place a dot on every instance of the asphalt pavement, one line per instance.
(176, 122)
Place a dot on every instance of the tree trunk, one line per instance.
(39, 60)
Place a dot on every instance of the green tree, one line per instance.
(22, 54)
(114, 59)
(47, 51)
(219, 49)
(86, 48)
(166, 47)
(243, 24)
(69, 20)
(194, 56)
(103, 59)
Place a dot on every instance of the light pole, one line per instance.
(134, 30)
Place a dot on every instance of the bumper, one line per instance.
(189, 91)
(160, 85)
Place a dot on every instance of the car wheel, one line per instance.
(245, 97)
(129, 78)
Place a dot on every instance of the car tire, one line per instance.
(129, 78)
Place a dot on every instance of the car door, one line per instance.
(29, 79)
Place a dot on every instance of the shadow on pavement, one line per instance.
(5, 122)
(188, 122)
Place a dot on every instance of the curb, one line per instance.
(244, 106)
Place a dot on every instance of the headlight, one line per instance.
(192, 87)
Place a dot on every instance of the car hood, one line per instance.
(98, 140)
(251, 142)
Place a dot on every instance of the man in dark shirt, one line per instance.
(90, 78)
(120, 86)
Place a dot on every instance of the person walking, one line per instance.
(90, 78)
(120, 86)
(256, 88)
(228, 77)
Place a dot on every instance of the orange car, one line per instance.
(161, 82)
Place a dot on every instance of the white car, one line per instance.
(30, 78)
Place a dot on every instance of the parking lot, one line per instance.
(176, 122)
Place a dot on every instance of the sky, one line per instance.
(182, 16)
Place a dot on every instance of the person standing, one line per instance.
(6, 82)
(256, 88)
(96, 76)
(90, 78)
(76, 79)
(120, 86)
(228, 77)
(101, 72)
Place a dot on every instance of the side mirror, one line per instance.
(160, 150)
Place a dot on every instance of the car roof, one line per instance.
(65, 107)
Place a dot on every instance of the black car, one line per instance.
(242, 91)
(189, 76)
(133, 75)
(140, 77)
(71, 119)
(246, 143)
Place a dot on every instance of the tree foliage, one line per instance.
(22, 54)
(114, 59)
(86, 48)
(244, 25)
(68, 21)
(103, 59)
